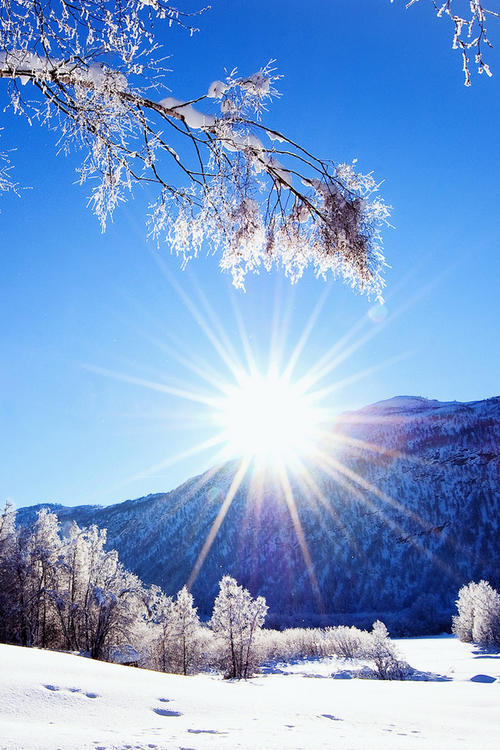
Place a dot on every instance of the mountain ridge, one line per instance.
(406, 505)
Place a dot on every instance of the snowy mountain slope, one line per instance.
(53, 700)
(409, 506)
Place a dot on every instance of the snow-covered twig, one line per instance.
(469, 31)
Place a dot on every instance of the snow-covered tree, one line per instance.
(103, 602)
(478, 618)
(463, 623)
(237, 619)
(73, 590)
(224, 180)
(8, 549)
(378, 647)
(179, 642)
(81, 572)
(470, 35)
(70, 592)
(36, 562)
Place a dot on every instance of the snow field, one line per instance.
(56, 701)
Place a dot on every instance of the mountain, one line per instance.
(405, 507)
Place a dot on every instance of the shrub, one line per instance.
(345, 642)
(478, 618)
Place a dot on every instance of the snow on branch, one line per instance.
(6, 182)
(5, 167)
(226, 182)
(469, 19)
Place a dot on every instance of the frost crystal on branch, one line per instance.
(469, 30)
(5, 182)
(230, 185)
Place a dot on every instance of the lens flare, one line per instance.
(378, 313)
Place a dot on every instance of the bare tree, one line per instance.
(224, 180)
(470, 36)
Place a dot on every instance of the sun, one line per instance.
(268, 418)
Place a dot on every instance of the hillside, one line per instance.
(409, 506)
(54, 700)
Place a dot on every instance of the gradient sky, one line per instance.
(362, 79)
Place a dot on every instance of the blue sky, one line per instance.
(362, 79)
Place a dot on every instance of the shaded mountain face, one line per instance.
(404, 501)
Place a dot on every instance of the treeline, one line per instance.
(67, 592)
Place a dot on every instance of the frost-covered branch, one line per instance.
(469, 18)
(227, 183)
(6, 182)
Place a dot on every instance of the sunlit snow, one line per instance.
(53, 700)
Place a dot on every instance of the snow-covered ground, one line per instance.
(54, 701)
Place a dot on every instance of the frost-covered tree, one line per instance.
(100, 604)
(74, 582)
(478, 618)
(8, 549)
(379, 649)
(224, 180)
(90, 584)
(67, 592)
(470, 35)
(237, 619)
(179, 646)
(36, 563)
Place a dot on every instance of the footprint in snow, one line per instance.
(164, 700)
(332, 717)
(55, 689)
(166, 712)
(205, 731)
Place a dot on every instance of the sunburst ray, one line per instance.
(312, 489)
(299, 531)
(359, 490)
(233, 489)
(151, 384)
(357, 479)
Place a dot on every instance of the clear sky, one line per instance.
(362, 79)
